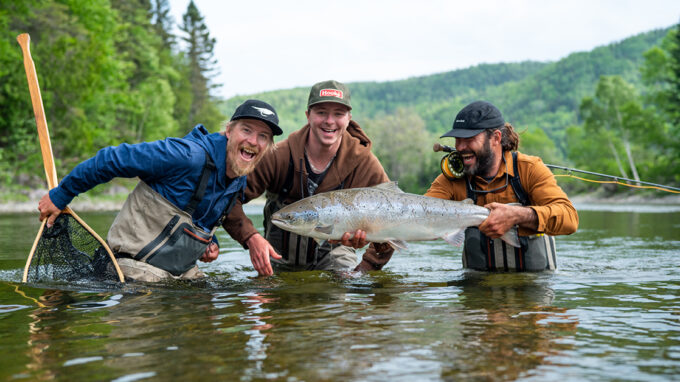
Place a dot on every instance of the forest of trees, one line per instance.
(122, 71)
(109, 72)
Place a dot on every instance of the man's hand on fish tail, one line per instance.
(357, 241)
(260, 251)
(502, 217)
(210, 253)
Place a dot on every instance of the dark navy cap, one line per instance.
(475, 118)
(256, 109)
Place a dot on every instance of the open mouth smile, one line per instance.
(468, 158)
(247, 154)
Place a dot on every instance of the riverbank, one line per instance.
(115, 202)
(82, 203)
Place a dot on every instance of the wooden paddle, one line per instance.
(48, 159)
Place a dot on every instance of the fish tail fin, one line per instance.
(511, 237)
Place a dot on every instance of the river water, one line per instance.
(610, 312)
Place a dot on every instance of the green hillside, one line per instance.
(530, 94)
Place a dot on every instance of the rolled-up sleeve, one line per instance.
(556, 214)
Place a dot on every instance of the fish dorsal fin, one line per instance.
(467, 201)
(389, 186)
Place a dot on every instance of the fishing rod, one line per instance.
(452, 167)
(617, 179)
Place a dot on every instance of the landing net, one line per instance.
(68, 252)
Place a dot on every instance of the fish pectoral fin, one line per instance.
(456, 237)
(397, 244)
(327, 229)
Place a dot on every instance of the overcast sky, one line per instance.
(267, 45)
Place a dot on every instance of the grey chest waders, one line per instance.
(536, 252)
(151, 229)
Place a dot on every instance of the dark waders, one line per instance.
(536, 252)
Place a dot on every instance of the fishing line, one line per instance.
(616, 180)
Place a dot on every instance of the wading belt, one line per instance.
(536, 252)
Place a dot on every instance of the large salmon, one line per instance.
(386, 214)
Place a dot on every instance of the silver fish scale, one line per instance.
(387, 215)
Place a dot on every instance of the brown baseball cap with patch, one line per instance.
(329, 91)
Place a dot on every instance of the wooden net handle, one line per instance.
(39, 111)
(46, 148)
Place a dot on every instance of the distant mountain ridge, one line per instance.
(530, 94)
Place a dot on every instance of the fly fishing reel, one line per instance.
(452, 163)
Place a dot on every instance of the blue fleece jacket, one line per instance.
(172, 167)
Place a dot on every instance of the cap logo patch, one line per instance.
(330, 93)
(460, 120)
(263, 111)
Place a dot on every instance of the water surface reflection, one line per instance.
(609, 312)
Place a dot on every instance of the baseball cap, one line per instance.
(475, 118)
(256, 109)
(329, 91)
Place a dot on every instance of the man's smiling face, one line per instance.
(328, 122)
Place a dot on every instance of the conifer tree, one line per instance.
(201, 68)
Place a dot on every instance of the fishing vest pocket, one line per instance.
(536, 253)
(475, 249)
(180, 250)
(540, 252)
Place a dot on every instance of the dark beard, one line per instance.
(485, 159)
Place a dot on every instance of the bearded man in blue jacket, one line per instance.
(187, 185)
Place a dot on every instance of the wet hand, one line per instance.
(357, 241)
(502, 217)
(210, 253)
(260, 251)
(48, 210)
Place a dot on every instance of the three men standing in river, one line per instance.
(330, 152)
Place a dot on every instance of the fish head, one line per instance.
(295, 219)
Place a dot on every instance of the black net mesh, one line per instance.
(67, 251)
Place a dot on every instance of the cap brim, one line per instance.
(462, 133)
(276, 130)
(333, 100)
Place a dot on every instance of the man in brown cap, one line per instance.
(495, 175)
(330, 152)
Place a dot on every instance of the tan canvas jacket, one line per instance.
(556, 214)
